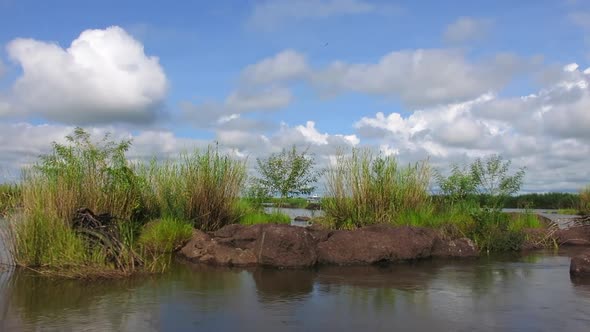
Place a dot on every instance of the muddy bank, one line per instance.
(291, 247)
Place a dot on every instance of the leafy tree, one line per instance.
(459, 185)
(288, 173)
(493, 179)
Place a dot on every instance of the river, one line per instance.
(501, 293)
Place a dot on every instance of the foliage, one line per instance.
(364, 189)
(10, 195)
(288, 173)
(459, 185)
(256, 195)
(165, 235)
(492, 232)
(552, 200)
(83, 174)
(585, 200)
(265, 218)
(202, 188)
(493, 179)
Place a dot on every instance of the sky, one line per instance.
(446, 81)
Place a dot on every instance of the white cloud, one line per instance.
(421, 77)
(2, 68)
(271, 13)
(284, 66)
(548, 132)
(103, 77)
(268, 99)
(466, 29)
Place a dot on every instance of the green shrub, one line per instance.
(165, 235)
(492, 232)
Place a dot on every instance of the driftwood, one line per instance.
(102, 230)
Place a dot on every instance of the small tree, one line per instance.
(459, 185)
(288, 173)
(493, 179)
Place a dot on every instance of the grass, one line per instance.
(568, 211)
(363, 189)
(201, 188)
(291, 202)
(9, 197)
(165, 235)
(265, 218)
(585, 200)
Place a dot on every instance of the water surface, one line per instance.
(506, 293)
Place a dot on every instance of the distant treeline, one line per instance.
(535, 201)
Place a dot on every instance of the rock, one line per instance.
(580, 265)
(462, 247)
(574, 236)
(238, 236)
(537, 238)
(203, 249)
(302, 218)
(285, 246)
(376, 244)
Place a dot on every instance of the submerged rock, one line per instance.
(580, 265)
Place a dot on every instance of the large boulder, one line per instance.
(376, 244)
(203, 249)
(580, 265)
(285, 246)
(462, 247)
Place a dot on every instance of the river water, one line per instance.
(502, 293)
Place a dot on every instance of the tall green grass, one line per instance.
(203, 188)
(10, 195)
(585, 200)
(363, 189)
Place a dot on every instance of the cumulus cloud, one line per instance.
(547, 131)
(466, 29)
(284, 66)
(213, 113)
(268, 14)
(104, 76)
(422, 77)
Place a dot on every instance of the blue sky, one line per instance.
(449, 81)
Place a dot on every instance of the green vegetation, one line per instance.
(146, 210)
(584, 207)
(202, 188)
(165, 235)
(287, 174)
(363, 189)
(265, 218)
(9, 197)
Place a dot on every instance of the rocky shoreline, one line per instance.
(285, 246)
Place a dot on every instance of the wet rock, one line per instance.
(302, 218)
(462, 247)
(580, 265)
(203, 249)
(285, 246)
(238, 236)
(574, 236)
(376, 244)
